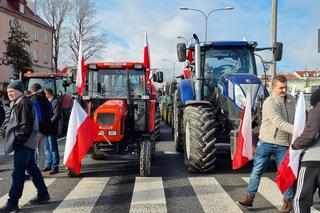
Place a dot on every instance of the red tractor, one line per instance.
(58, 82)
(121, 100)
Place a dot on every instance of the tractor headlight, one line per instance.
(112, 133)
(239, 96)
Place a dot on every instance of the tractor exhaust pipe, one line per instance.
(197, 67)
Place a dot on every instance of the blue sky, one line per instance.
(126, 21)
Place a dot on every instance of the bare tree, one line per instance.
(55, 13)
(85, 26)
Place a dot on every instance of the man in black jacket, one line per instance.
(51, 143)
(309, 173)
(22, 138)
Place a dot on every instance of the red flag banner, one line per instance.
(81, 71)
(80, 135)
(243, 152)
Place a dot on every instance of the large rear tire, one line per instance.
(145, 158)
(200, 138)
(177, 125)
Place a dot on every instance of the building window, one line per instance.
(46, 41)
(25, 29)
(21, 9)
(12, 24)
(36, 35)
(35, 55)
(305, 74)
(46, 61)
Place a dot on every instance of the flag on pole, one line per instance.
(288, 169)
(80, 135)
(243, 152)
(81, 72)
(146, 57)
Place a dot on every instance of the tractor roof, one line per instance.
(44, 75)
(116, 65)
(225, 43)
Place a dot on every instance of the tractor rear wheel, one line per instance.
(177, 126)
(145, 158)
(200, 138)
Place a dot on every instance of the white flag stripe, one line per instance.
(84, 196)
(148, 195)
(29, 192)
(212, 196)
(78, 115)
(269, 190)
(247, 129)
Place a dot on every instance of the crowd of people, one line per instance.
(30, 126)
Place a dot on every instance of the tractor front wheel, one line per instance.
(145, 158)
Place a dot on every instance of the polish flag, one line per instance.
(243, 152)
(80, 135)
(81, 71)
(146, 56)
(288, 169)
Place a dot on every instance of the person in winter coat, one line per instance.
(309, 173)
(22, 138)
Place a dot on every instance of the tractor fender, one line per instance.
(198, 103)
(67, 101)
(186, 91)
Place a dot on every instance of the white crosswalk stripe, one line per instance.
(29, 192)
(212, 196)
(269, 190)
(148, 195)
(84, 196)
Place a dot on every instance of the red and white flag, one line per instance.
(243, 152)
(81, 71)
(80, 135)
(146, 57)
(288, 170)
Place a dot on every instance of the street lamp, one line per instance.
(181, 37)
(173, 63)
(206, 15)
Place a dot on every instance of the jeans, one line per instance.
(24, 159)
(52, 151)
(261, 160)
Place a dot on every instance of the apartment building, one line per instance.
(40, 33)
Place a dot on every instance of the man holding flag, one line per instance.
(309, 174)
(277, 125)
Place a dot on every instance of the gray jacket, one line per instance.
(277, 119)
(23, 127)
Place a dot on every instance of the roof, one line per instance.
(44, 75)
(308, 73)
(13, 6)
(119, 65)
(226, 43)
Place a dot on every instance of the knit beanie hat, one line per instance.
(315, 97)
(17, 85)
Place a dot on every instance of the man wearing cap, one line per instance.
(22, 138)
(309, 173)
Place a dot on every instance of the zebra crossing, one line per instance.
(148, 195)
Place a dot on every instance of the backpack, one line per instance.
(44, 112)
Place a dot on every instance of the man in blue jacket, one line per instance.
(22, 138)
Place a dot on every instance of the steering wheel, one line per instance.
(224, 66)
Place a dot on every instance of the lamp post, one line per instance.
(173, 63)
(181, 37)
(206, 16)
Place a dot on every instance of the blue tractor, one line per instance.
(208, 106)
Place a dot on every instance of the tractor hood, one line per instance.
(237, 86)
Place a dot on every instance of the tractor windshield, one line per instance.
(56, 84)
(222, 60)
(113, 83)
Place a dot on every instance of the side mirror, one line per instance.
(182, 52)
(158, 77)
(277, 51)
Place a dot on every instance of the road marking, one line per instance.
(61, 139)
(1, 178)
(83, 196)
(148, 195)
(269, 189)
(171, 153)
(212, 196)
(29, 192)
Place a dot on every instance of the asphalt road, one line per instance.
(114, 185)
